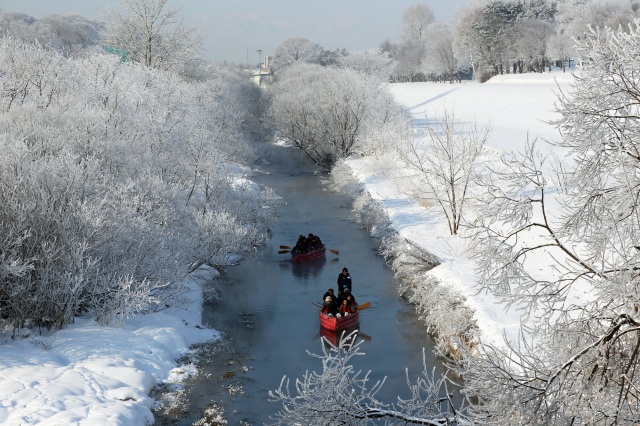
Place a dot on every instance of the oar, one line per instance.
(364, 336)
(287, 247)
(284, 251)
(336, 252)
(365, 305)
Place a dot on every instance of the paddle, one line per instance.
(285, 247)
(336, 252)
(365, 305)
(364, 336)
(284, 251)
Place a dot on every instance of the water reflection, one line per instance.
(309, 269)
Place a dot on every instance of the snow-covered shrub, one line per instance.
(365, 211)
(329, 113)
(444, 312)
(114, 179)
(340, 394)
(71, 35)
(374, 63)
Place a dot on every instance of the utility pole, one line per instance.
(259, 68)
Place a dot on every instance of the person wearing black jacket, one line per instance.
(344, 281)
(331, 295)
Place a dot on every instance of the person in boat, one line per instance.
(346, 295)
(314, 242)
(345, 309)
(351, 302)
(329, 307)
(344, 281)
(301, 245)
(331, 295)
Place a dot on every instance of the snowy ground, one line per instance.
(88, 374)
(516, 107)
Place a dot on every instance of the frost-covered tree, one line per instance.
(439, 57)
(531, 37)
(415, 21)
(483, 34)
(116, 178)
(24, 27)
(331, 57)
(328, 112)
(410, 52)
(576, 16)
(374, 63)
(71, 35)
(444, 165)
(409, 55)
(496, 34)
(152, 33)
(339, 394)
(466, 47)
(575, 271)
(296, 49)
(561, 49)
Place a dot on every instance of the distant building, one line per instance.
(124, 55)
(262, 73)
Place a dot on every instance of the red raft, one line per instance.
(340, 323)
(309, 255)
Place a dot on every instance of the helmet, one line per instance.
(327, 299)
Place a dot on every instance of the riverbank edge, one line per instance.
(435, 301)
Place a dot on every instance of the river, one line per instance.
(265, 307)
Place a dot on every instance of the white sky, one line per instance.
(236, 29)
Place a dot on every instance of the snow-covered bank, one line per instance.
(91, 374)
(517, 108)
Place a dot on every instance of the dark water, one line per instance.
(266, 308)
